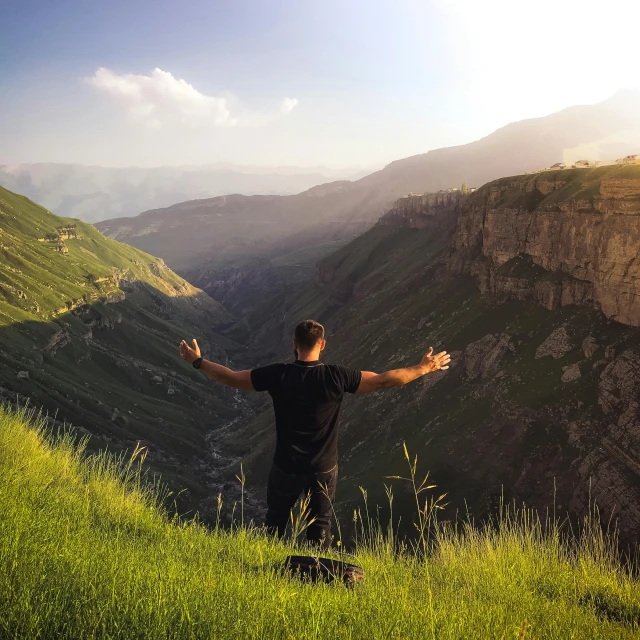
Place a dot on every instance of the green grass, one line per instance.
(87, 552)
(579, 184)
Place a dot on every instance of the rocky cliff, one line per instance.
(435, 211)
(565, 237)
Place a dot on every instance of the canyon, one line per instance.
(530, 283)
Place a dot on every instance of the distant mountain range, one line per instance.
(97, 193)
(201, 236)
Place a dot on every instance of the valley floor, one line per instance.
(86, 552)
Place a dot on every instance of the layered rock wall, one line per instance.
(425, 210)
(576, 238)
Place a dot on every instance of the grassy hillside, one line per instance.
(85, 551)
(53, 282)
(92, 335)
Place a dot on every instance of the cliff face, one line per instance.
(425, 211)
(566, 237)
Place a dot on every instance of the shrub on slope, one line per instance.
(86, 552)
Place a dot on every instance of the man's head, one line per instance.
(308, 340)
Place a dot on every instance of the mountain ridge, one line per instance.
(93, 193)
(335, 213)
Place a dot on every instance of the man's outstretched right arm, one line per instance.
(236, 379)
(398, 377)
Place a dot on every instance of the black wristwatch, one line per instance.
(197, 362)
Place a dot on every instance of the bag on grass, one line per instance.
(317, 569)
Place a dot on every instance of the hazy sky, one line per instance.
(335, 82)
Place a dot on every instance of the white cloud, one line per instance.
(160, 98)
(288, 104)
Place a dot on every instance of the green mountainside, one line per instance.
(89, 330)
(86, 552)
(538, 405)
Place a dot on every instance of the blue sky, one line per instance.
(302, 83)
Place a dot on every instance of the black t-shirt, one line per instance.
(306, 400)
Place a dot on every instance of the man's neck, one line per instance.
(309, 357)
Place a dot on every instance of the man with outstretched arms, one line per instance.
(306, 396)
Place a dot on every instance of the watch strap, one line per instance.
(197, 362)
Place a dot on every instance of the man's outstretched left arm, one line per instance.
(219, 373)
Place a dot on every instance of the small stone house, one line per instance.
(583, 164)
(60, 248)
(67, 232)
(558, 165)
(632, 159)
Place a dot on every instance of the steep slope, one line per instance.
(89, 329)
(97, 193)
(199, 237)
(520, 281)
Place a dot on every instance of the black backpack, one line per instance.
(317, 569)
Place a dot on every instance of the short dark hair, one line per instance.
(308, 333)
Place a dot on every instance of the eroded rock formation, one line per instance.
(559, 237)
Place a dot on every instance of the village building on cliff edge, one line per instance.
(588, 164)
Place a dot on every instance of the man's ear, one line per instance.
(323, 344)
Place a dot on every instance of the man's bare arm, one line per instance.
(219, 373)
(398, 377)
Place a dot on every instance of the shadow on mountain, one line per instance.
(112, 370)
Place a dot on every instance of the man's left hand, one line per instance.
(190, 354)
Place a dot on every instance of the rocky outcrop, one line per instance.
(92, 317)
(589, 346)
(571, 373)
(114, 298)
(58, 340)
(483, 357)
(620, 386)
(569, 239)
(424, 210)
(611, 471)
(556, 345)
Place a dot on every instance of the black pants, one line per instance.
(283, 491)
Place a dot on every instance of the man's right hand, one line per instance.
(189, 353)
(438, 362)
